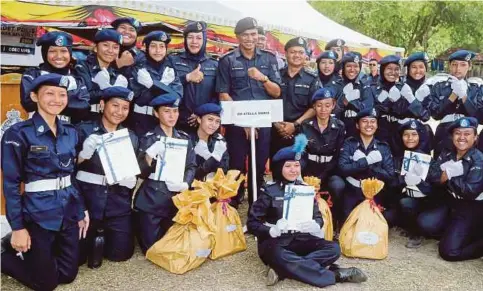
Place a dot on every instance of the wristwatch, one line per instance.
(265, 79)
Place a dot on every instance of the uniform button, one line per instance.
(105, 191)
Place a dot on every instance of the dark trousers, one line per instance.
(52, 259)
(151, 228)
(303, 260)
(118, 238)
(433, 221)
(411, 210)
(335, 185)
(442, 139)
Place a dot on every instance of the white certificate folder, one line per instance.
(171, 166)
(298, 204)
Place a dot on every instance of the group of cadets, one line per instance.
(357, 128)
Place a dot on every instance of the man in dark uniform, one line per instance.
(337, 46)
(247, 73)
(373, 75)
(197, 72)
(129, 54)
(298, 85)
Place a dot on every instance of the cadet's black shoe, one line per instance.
(272, 277)
(6, 245)
(349, 275)
(415, 241)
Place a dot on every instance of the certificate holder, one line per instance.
(298, 204)
(171, 165)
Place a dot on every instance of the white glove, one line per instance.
(422, 92)
(177, 186)
(144, 78)
(72, 83)
(274, 232)
(412, 179)
(89, 146)
(348, 88)
(156, 149)
(308, 226)
(353, 95)
(280, 227)
(121, 81)
(455, 169)
(459, 88)
(358, 155)
(168, 76)
(383, 96)
(374, 157)
(219, 150)
(445, 165)
(418, 170)
(102, 79)
(407, 93)
(394, 94)
(129, 182)
(201, 149)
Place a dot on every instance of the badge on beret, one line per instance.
(373, 113)
(120, 39)
(59, 41)
(255, 23)
(301, 41)
(426, 58)
(40, 128)
(199, 26)
(413, 125)
(298, 156)
(464, 123)
(331, 54)
(327, 94)
(339, 42)
(176, 103)
(64, 81)
(468, 57)
(164, 37)
(135, 23)
(130, 96)
(356, 59)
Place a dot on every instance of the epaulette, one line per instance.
(438, 78)
(183, 134)
(311, 72)
(149, 133)
(476, 81)
(383, 143)
(219, 136)
(226, 54)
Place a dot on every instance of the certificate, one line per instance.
(117, 156)
(298, 204)
(171, 166)
(417, 164)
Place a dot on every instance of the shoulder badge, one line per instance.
(13, 116)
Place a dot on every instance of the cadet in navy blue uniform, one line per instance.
(326, 64)
(350, 97)
(99, 71)
(247, 73)
(153, 201)
(48, 218)
(197, 72)
(460, 172)
(301, 255)
(129, 54)
(454, 96)
(337, 46)
(154, 78)
(109, 206)
(298, 85)
(209, 145)
(364, 157)
(57, 56)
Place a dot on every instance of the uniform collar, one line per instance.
(300, 73)
(99, 126)
(159, 131)
(373, 143)
(184, 55)
(466, 157)
(238, 53)
(92, 60)
(41, 127)
(332, 124)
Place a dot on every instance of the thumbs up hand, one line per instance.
(195, 76)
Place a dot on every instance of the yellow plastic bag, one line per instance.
(365, 233)
(324, 208)
(229, 237)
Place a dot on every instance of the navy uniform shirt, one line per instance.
(296, 92)
(350, 110)
(30, 152)
(102, 200)
(153, 196)
(205, 167)
(232, 76)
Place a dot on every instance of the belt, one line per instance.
(353, 182)
(48, 184)
(390, 118)
(320, 159)
(293, 231)
(350, 113)
(61, 117)
(91, 178)
(451, 117)
(148, 110)
(96, 108)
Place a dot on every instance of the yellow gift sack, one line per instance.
(189, 242)
(229, 237)
(365, 233)
(324, 208)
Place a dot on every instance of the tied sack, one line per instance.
(324, 207)
(365, 233)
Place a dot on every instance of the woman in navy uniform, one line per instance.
(109, 206)
(326, 63)
(209, 145)
(153, 202)
(301, 255)
(157, 76)
(56, 47)
(48, 218)
(129, 54)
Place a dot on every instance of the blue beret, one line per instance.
(462, 55)
(245, 24)
(411, 124)
(323, 93)
(208, 108)
(419, 56)
(390, 59)
(108, 35)
(157, 35)
(297, 41)
(51, 80)
(194, 26)
(328, 55)
(117, 92)
(168, 100)
(352, 57)
(338, 42)
(55, 38)
(464, 122)
(368, 112)
(129, 20)
(285, 154)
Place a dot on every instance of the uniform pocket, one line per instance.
(240, 79)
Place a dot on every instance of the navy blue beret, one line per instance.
(50, 80)
(194, 26)
(464, 122)
(368, 112)
(157, 35)
(129, 20)
(245, 24)
(390, 59)
(108, 35)
(323, 93)
(55, 38)
(462, 55)
(338, 42)
(352, 57)
(168, 100)
(328, 55)
(285, 154)
(411, 124)
(208, 108)
(419, 56)
(117, 92)
(297, 41)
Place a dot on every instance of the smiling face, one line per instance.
(107, 51)
(296, 56)
(157, 50)
(115, 110)
(410, 138)
(194, 41)
(128, 33)
(58, 56)
(51, 100)
(323, 108)
(209, 123)
(248, 39)
(367, 126)
(464, 138)
(351, 70)
(327, 66)
(391, 73)
(291, 170)
(417, 70)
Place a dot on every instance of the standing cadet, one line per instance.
(48, 217)
(460, 172)
(247, 73)
(56, 47)
(109, 206)
(337, 46)
(157, 76)
(209, 146)
(153, 202)
(197, 72)
(297, 87)
(129, 54)
(326, 63)
(373, 76)
(98, 71)
(301, 255)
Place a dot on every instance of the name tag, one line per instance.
(302, 86)
(38, 148)
(237, 69)
(182, 64)
(209, 69)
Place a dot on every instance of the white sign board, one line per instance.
(256, 113)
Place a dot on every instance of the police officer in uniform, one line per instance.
(129, 54)
(109, 206)
(337, 46)
(153, 202)
(56, 47)
(373, 76)
(209, 145)
(326, 63)
(301, 255)
(156, 77)
(48, 218)
(197, 72)
(460, 172)
(247, 73)
(298, 85)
